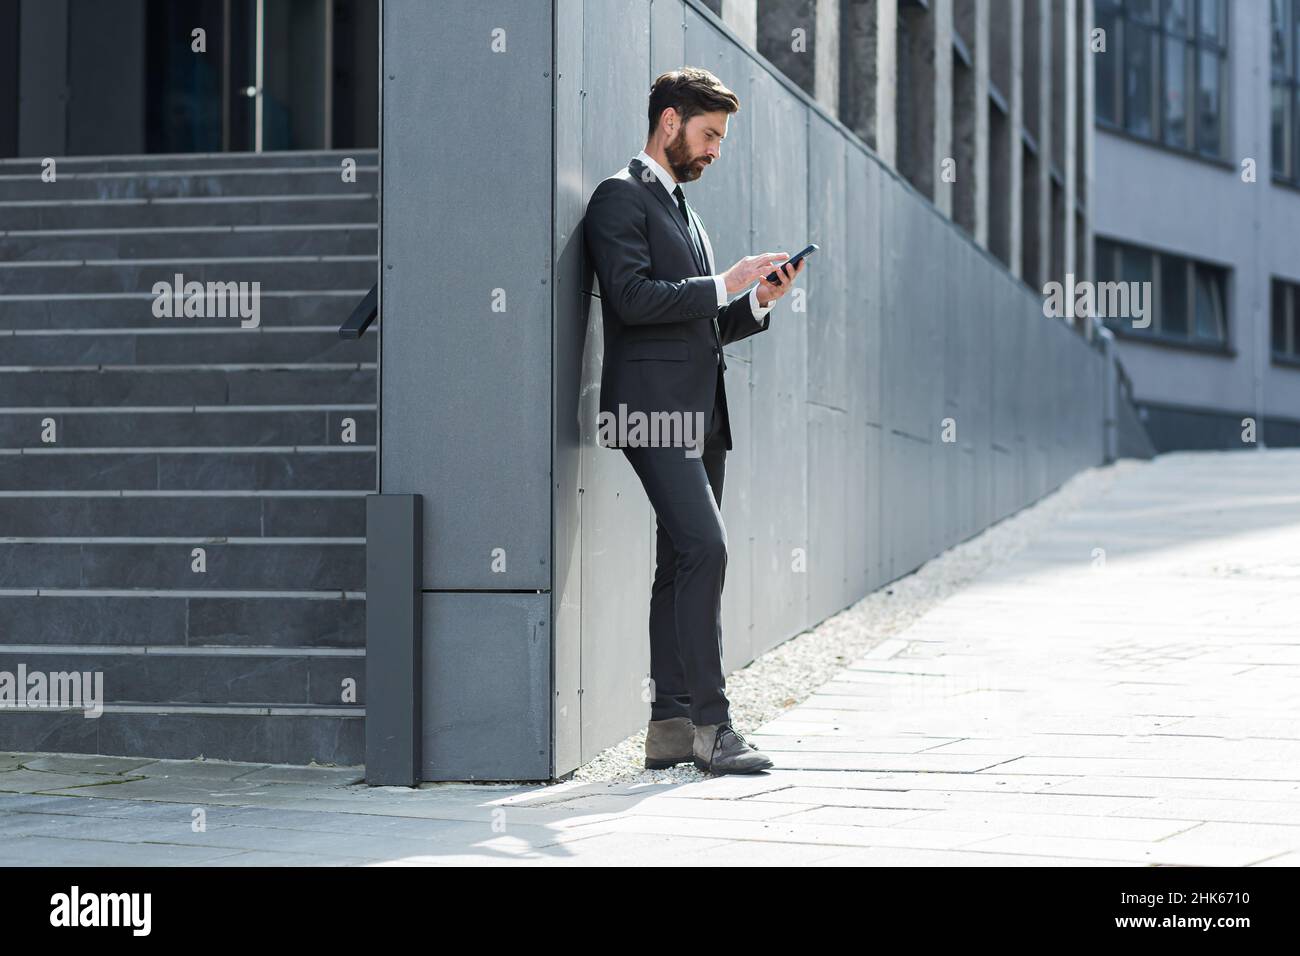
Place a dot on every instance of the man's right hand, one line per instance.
(749, 269)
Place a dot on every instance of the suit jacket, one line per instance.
(664, 330)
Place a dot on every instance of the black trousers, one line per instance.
(690, 567)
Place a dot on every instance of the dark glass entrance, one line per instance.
(137, 77)
(278, 74)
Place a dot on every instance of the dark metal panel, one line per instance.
(465, 393)
(1015, 348)
(394, 639)
(569, 323)
(917, 533)
(959, 346)
(486, 669)
(738, 517)
(979, 431)
(893, 518)
(877, 540)
(618, 542)
(906, 383)
(944, 458)
(667, 39)
(862, 356)
(1036, 401)
(924, 362)
(1000, 376)
(779, 425)
(1062, 435)
(912, 267)
(617, 521)
(828, 371)
(827, 504)
(901, 252)
(827, 303)
(873, 297)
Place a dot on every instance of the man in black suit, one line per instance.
(666, 318)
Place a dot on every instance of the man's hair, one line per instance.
(690, 91)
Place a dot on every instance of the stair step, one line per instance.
(280, 734)
(318, 239)
(169, 385)
(204, 516)
(184, 618)
(140, 275)
(206, 676)
(214, 426)
(171, 183)
(344, 468)
(228, 346)
(277, 308)
(189, 211)
(319, 565)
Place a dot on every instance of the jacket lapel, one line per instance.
(651, 182)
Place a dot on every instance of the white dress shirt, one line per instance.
(667, 181)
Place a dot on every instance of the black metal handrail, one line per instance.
(365, 313)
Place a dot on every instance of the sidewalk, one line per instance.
(1122, 690)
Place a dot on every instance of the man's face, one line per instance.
(697, 144)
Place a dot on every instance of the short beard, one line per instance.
(680, 160)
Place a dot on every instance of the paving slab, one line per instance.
(1054, 710)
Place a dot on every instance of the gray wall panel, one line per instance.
(827, 505)
(466, 419)
(828, 372)
(779, 424)
(826, 299)
(738, 515)
(862, 329)
(487, 707)
(617, 521)
(667, 39)
(1035, 398)
(569, 336)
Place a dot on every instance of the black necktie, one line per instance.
(690, 226)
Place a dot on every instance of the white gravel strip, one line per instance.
(786, 675)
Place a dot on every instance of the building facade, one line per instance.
(1198, 193)
(984, 106)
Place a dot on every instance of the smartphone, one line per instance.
(793, 263)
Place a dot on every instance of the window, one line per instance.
(1164, 71)
(1188, 298)
(1285, 100)
(1285, 308)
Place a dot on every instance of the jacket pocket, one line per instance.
(671, 350)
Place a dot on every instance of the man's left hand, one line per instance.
(769, 292)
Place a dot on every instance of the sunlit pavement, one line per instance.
(1124, 690)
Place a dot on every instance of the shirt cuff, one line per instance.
(758, 310)
(722, 290)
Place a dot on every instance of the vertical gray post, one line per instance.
(394, 566)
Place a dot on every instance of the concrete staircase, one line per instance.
(176, 434)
